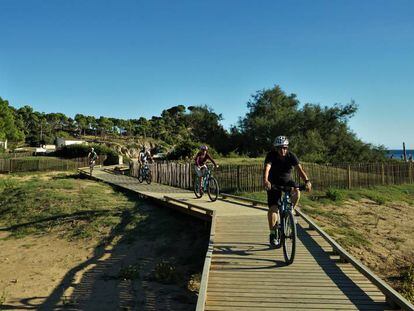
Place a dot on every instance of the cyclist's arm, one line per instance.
(211, 159)
(196, 159)
(266, 170)
(303, 175)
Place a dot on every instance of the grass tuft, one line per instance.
(408, 283)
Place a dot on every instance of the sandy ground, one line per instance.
(389, 229)
(48, 273)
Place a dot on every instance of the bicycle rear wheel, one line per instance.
(289, 237)
(213, 189)
(196, 188)
(149, 177)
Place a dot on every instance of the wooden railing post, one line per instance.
(349, 177)
(238, 178)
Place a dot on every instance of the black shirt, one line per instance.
(281, 167)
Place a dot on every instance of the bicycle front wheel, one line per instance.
(213, 189)
(196, 188)
(140, 177)
(149, 177)
(289, 237)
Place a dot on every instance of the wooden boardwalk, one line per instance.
(241, 271)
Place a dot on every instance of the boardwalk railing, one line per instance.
(249, 178)
(43, 164)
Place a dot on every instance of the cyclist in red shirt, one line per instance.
(200, 163)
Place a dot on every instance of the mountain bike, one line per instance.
(286, 230)
(145, 174)
(208, 184)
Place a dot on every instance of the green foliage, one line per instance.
(130, 272)
(74, 208)
(348, 237)
(184, 150)
(82, 150)
(9, 124)
(165, 272)
(408, 283)
(334, 195)
(317, 134)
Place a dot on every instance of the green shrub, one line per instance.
(184, 150)
(408, 283)
(165, 272)
(187, 149)
(334, 195)
(80, 151)
(130, 272)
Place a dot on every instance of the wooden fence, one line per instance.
(14, 155)
(43, 164)
(249, 178)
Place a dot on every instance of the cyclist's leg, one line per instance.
(294, 195)
(199, 178)
(203, 172)
(273, 197)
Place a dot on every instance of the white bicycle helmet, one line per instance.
(281, 141)
(203, 147)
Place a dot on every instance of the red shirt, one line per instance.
(201, 160)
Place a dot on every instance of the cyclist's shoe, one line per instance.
(274, 241)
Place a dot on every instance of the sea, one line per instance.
(398, 153)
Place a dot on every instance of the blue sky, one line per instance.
(128, 59)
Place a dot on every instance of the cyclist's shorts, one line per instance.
(200, 171)
(273, 196)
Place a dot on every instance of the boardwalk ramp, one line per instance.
(242, 273)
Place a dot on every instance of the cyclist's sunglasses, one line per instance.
(284, 148)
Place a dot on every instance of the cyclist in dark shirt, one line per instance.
(277, 171)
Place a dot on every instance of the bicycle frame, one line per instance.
(144, 170)
(206, 179)
(284, 204)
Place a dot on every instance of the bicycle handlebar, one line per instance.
(288, 188)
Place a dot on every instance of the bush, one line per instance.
(80, 151)
(165, 272)
(334, 195)
(187, 149)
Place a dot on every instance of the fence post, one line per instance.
(349, 177)
(382, 174)
(238, 178)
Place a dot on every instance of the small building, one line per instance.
(61, 142)
(3, 144)
(45, 149)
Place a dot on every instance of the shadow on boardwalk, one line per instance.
(119, 275)
(257, 257)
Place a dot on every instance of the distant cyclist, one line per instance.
(144, 157)
(277, 171)
(92, 157)
(200, 163)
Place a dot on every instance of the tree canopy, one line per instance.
(317, 134)
(10, 128)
